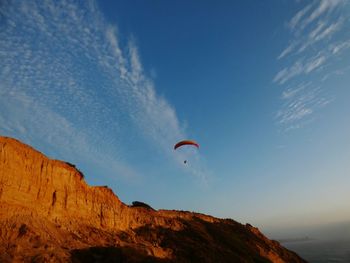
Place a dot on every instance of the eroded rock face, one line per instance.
(49, 214)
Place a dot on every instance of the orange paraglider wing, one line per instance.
(186, 142)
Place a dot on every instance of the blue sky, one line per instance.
(262, 86)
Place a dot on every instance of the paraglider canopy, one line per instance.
(186, 142)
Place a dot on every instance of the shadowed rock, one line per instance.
(141, 204)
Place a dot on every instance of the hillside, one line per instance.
(48, 213)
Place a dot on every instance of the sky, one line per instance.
(262, 86)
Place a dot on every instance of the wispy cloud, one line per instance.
(67, 81)
(321, 8)
(312, 12)
(314, 63)
(319, 33)
(338, 47)
(285, 74)
(288, 50)
(299, 67)
(298, 17)
(317, 39)
(291, 92)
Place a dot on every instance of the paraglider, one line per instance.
(186, 142)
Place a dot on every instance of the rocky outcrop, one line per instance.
(48, 213)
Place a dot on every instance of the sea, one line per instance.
(321, 251)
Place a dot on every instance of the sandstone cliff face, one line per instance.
(49, 214)
(57, 190)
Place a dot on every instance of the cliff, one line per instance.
(48, 213)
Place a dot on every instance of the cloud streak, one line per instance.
(317, 42)
(67, 80)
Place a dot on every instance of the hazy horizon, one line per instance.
(111, 86)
